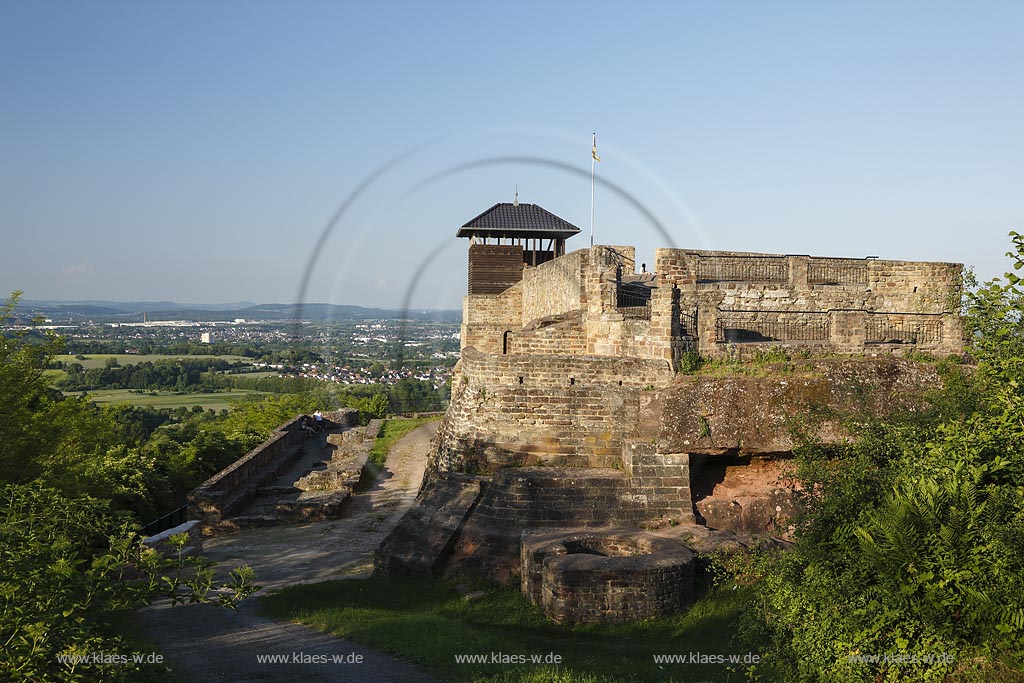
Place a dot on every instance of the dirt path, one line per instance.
(305, 553)
(214, 645)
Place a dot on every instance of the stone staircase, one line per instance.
(425, 536)
(317, 485)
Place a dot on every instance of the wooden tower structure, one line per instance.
(508, 237)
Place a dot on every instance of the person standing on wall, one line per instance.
(319, 418)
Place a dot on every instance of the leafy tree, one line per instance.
(66, 566)
(68, 555)
(912, 539)
(24, 396)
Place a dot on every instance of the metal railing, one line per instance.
(613, 257)
(837, 272)
(168, 521)
(771, 269)
(633, 302)
(918, 329)
(687, 324)
(813, 328)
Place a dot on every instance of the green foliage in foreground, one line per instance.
(391, 431)
(911, 548)
(72, 477)
(429, 621)
(67, 567)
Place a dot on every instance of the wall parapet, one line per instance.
(710, 300)
(231, 488)
(559, 369)
(843, 331)
(554, 288)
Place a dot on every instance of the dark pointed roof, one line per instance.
(518, 220)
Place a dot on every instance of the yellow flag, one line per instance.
(593, 153)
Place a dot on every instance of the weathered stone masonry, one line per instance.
(567, 412)
(554, 410)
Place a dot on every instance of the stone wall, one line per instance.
(582, 283)
(517, 499)
(801, 282)
(223, 494)
(218, 497)
(800, 301)
(660, 481)
(554, 287)
(486, 318)
(712, 301)
(564, 335)
(555, 410)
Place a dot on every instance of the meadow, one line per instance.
(99, 360)
(217, 400)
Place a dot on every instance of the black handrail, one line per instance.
(168, 521)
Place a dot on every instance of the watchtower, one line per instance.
(507, 237)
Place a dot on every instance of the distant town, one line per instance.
(337, 345)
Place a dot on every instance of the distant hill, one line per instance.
(133, 311)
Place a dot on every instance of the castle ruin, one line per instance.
(569, 411)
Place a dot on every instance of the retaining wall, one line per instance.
(226, 492)
(554, 410)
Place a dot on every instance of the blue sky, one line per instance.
(195, 151)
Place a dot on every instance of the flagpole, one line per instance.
(593, 162)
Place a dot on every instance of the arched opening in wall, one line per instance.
(504, 341)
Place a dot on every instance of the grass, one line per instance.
(99, 360)
(219, 400)
(391, 432)
(429, 621)
(54, 376)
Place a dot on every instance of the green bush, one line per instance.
(67, 566)
(773, 354)
(690, 362)
(910, 549)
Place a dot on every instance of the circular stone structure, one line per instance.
(586, 576)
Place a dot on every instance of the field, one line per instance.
(259, 375)
(98, 360)
(168, 399)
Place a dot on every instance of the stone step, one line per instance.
(424, 537)
(274, 491)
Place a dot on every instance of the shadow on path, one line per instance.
(215, 645)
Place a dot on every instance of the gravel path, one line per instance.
(213, 645)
